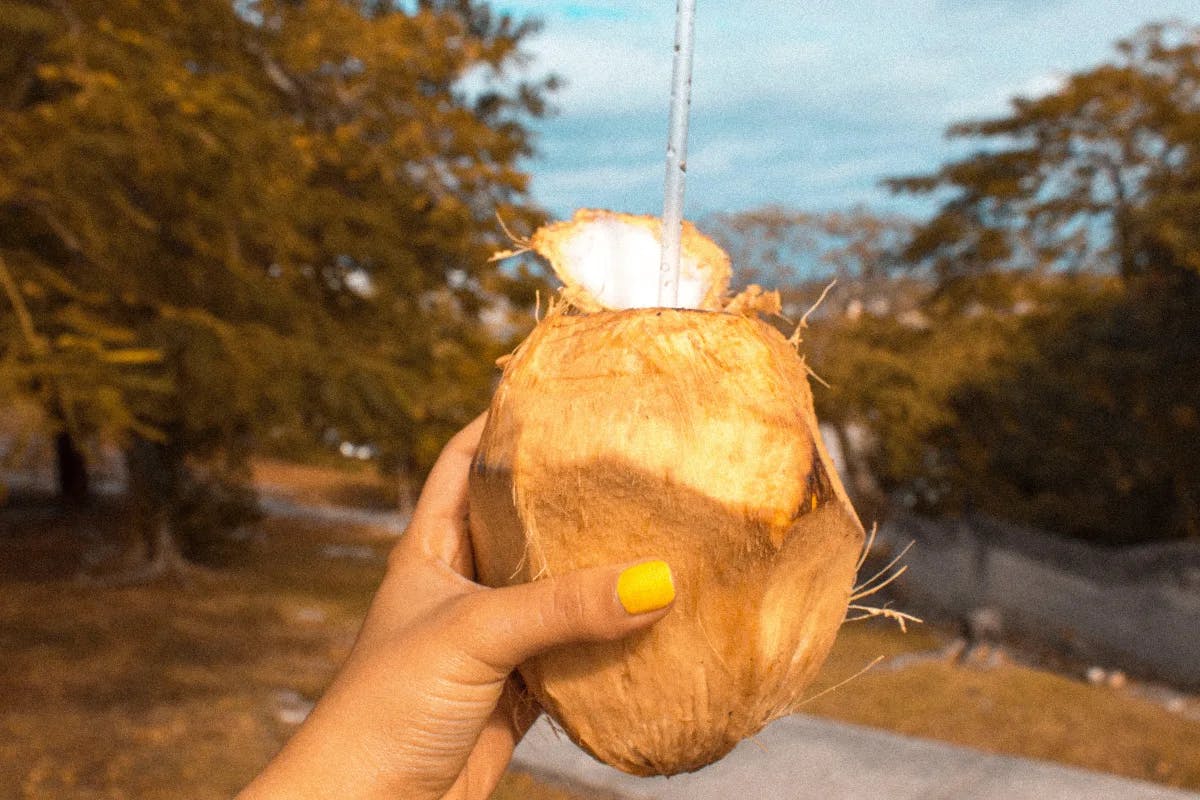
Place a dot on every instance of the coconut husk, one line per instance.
(686, 435)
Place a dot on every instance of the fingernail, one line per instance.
(646, 587)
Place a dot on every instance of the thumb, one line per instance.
(504, 627)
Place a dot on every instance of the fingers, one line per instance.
(439, 520)
(504, 627)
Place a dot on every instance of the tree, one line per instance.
(254, 221)
(77, 380)
(1077, 425)
(800, 252)
(1100, 173)
(1039, 361)
(1086, 424)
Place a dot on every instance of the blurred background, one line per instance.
(245, 296)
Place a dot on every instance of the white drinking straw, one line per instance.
(681, 100)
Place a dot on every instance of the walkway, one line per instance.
(805, 758)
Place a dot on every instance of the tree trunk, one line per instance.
(154, 475)
(406, 493)
(161, 551)
(71, 468)
(868, 498)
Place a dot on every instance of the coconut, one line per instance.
(620, 431)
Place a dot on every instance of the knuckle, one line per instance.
(572, 607)
(468, 610)
(401, 553)
(461, 623)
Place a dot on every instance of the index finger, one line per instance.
(439, 522)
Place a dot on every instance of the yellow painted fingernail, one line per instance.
(646, 587)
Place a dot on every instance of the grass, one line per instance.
(1009, 708)
(139, 691)
(171, 690)
(184, 690)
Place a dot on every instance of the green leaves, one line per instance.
(229, 224)
(1095, 174)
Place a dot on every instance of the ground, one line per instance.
(185, 688)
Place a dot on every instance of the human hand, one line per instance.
(427, 705)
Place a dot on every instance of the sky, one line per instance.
(807, 105)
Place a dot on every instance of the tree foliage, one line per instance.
(1072, 406)
(801, 252)
(231, 222)
(775, 245)
(1088, 424)
(1055, 400)
(1081, 427)
(1104, 172)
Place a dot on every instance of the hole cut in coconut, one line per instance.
(611, 261)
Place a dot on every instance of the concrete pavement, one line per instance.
(805, 758)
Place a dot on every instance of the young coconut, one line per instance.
(620, 431)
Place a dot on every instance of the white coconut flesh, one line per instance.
(611, 261)
(618, 264)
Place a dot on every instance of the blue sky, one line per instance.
(807, 104)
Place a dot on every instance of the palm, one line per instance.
(440, 532)
(493, 750)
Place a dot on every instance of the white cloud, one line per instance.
(998, 100)
(602, 178)
(605, 73)
(631, 187)
(1041, 85)
(718, 156)
(806, 104)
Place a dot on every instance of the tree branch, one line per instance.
(37, 344)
